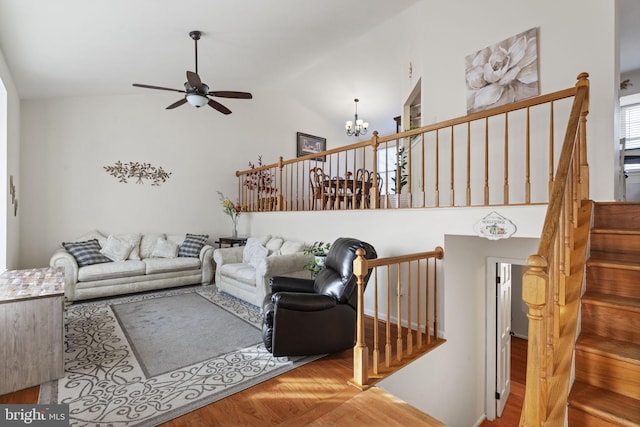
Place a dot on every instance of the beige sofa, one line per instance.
(245, 271)
(152, 263)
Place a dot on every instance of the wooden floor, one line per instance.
(511, 415)
(317, 394)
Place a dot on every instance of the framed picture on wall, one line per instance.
(309, 144)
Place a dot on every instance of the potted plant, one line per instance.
(401, 170)
(263, 182)
(319, 251)
(231, 209)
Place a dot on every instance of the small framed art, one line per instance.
(309, 144)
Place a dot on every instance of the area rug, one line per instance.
(146, 359)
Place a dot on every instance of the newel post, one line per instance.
(534, 293)
(360, 351)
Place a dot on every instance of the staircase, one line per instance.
(606, 391)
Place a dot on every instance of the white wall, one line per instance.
(634, 78)
(66, 143)
(10, 159)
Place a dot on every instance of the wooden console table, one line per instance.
(31, 327)
(231, 241)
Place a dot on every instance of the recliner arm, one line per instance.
(302, 302)
(290, 284)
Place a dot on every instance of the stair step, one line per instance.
(613, 301)
(616, 215)
(628, 261)
(611, 316)
(617, 231)
(607, 279)
(610, 364)
(616, 240)
(603, 407)
(616, 349)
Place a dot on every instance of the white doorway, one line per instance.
(504, 300)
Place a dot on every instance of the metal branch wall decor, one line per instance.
(140, 171)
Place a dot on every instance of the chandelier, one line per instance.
(360, 126)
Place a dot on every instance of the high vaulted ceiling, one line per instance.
(100, 47)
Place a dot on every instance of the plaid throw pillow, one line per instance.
(192, 245)
(86, 253)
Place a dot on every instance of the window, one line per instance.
(391, 160)
(630, 131)
(387, 168)
(630, 123)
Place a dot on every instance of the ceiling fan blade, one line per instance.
(219, 107)
(158, 87)
(194, 81)
(177, 104)
(231, 94)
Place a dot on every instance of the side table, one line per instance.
(31, 327)
(231, 241)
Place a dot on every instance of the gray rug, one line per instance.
(105, 382)
(171, 332)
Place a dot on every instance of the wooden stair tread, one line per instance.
(616, 349)
(605, 404)
(628, 231)
(613, 301)
(627, 261)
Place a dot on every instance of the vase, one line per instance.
(234, 232)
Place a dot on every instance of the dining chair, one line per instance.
(363, 191)
(319, 190)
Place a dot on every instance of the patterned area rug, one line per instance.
(105, 385)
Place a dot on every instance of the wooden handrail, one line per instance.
(427, 290)
(551, 285)
(426, 175)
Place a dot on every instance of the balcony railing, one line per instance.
(405, 307)
(503, 156)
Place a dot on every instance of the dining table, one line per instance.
(345, 190)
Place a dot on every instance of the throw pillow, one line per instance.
(86, 253)
(259, 253)
(117, 249)
(250, 247)
(148, 242)
(192, 245)
(274, 244)
(291, 247)
(93, 234)
(134, 238)
(165, 249)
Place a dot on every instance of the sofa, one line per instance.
(245, 271)
(97, 265)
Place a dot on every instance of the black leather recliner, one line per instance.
(305, 317)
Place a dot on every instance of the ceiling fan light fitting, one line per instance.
(197, 100)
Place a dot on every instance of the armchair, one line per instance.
(304, 317)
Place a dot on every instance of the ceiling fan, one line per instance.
(196, 92)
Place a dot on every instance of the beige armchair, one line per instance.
(245, 271)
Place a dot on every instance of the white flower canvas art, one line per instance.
(503, 73)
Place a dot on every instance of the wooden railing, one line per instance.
(553, 282)
(405, 304)
(502, 156)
